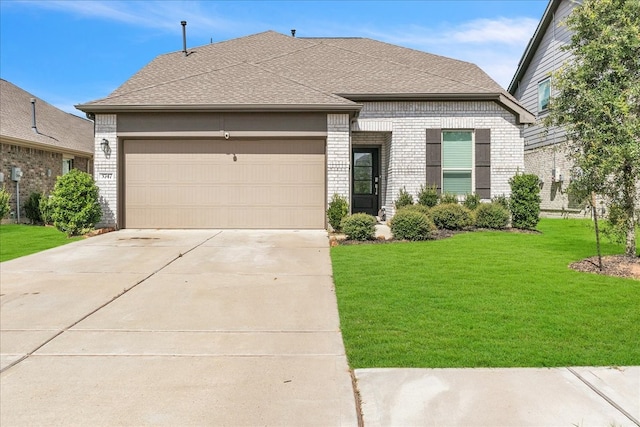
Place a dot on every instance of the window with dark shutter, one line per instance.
(483, 163)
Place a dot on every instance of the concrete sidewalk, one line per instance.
(581, 397)
(174, 328)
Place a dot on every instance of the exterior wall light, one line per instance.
(104, 145)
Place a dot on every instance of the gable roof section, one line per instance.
(57, 130)
(273, 71)
(534, 42)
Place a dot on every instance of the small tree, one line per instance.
(74, 203)
(525, 201)
(32, 208)
(597, 102)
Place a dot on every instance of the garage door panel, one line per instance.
(224, 184)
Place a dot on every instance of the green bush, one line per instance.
(338, 209)
(448, 198)
(525, 201)
(404, 199)
(502, 200)
(492, 215)
(428, 196)
(416, 208)
(451, 216)
(4, 203)
(75, 203)
(360, 226)
(411, 224)
(471, 201)
(32, 208)
(46, 210)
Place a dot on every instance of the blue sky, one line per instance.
(72, 52)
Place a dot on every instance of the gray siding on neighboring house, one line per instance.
(547, 59)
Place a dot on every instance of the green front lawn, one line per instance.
(486, 299)
(20, 240)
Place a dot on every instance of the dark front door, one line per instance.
(366, 180)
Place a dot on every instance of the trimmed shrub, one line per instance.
(525, 201)
(428, 196)
(32, 208)
(416, 208)
(74, 203)
(404, 199)
(448, 198)
(471, 201)
(360, 226)
(492, 215)
(46, 210)
(338, 209)
(502, 200)
(4, 203)
(451, 216)
(411, 224)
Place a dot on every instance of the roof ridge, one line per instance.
(421, 70)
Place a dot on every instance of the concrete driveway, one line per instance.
(163, 327)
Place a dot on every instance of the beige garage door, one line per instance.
(224, 184)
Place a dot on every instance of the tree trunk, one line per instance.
(594, 209)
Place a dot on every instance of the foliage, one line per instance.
(502, 200)
(417, 208)
(471, 301)
(411, 224)
(74, 203)
(597, 102)
(404, 199)
(525, 201)
(46, 210)
(448, 198)
(338, 209)
(359, 226)
(471, 201)
(18, 240)
(32, 208)
(4, 203)
(451, 216)
(492, 215)
(428, 196)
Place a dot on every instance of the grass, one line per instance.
(18, 240)
(486, 299)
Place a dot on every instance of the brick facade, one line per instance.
(106, 168)
(405, 155)
(40, 169)
(338, 156)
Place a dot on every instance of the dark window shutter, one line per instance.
(483, 163)
(434, 158)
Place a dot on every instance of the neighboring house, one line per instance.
(42, 147)
(261, 131)
(532, 85)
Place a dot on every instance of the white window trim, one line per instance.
(546, 110)
(473, 160)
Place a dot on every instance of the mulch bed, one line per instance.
(613, 265)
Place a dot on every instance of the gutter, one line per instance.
(45, 147)
(93, 108)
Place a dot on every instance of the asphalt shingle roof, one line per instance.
(56, 128)
(269, 68)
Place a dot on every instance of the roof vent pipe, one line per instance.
(293, 32)
(184, 37)
(33, 115)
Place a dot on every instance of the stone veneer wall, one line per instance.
(408, 121)
(106, 169)
(35, 164)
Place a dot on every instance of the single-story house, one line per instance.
(38, 143)
(545, 154)
(261, 131)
